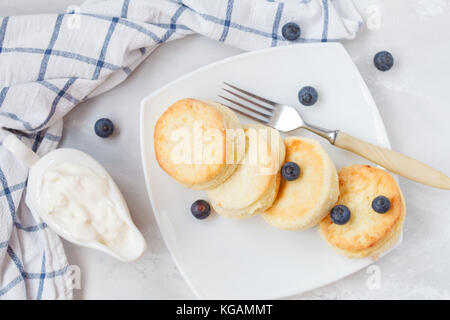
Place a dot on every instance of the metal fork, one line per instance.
(285, 118)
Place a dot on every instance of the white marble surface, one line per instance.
(413, 99)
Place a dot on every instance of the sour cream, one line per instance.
(81, 201)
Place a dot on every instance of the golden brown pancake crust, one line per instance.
(302, 203)
(183, 114)
(358, 186)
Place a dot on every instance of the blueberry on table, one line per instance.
(383, 60)
(307, 96)
(200, 209)
(104, 127)
(340, 214)
(291, 31)
(381, 204)
(290, 171)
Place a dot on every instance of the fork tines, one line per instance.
(260, 110)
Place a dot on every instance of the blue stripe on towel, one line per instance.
(125, 6)
(101, 59)
(3, 95)
(42, 277)
(7, 192)
(226, 24)
(48, 51)
(325, 21)
(3, 31)
(276, 24)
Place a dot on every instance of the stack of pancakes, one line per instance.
(203, 146)
(254, 186)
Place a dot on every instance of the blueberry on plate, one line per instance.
(383, 60)
(340, 214)
(104, 127)
(381, 204)
(307, 96)
(290, 171)
(200, 209)
(291, 31)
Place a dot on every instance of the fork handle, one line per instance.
(393, 161)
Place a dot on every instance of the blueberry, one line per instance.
(307, 96)
(383, 60)
(290, 171)
(340, 214)
(200, 209)
(104, 127)
(381, 204)
(291, 31)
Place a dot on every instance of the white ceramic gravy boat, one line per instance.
(134, 244)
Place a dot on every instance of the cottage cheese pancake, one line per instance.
(303, 202)
(191, 143)
(254, 185)
(367, 232)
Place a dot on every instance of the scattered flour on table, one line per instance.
(429, 8)
(400, 86)
(391, 85)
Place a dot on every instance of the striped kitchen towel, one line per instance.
(50, 63)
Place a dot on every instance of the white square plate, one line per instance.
(248, 259)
